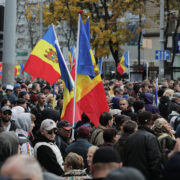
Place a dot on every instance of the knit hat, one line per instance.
(106, 155)
(125, 173)
(83, 132)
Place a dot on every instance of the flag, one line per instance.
(0, 70)
(68, 89)
(123, 64)
(71, 56)
(87, 29)
(100, 66)
(156, 93)
(18, 71)
(43, 62)
(90, 95)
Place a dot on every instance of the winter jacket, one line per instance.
(142, 151)
(148, 99)
(48, 155)
(80, 146)
(97, 136)
(129, 113)
(174, 119)
(163, 106)
(173, 106)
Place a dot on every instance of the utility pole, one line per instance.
(161, 62)
(41, 18)
(9, 45)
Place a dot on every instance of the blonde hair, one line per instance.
(93, 149)
(169, 93)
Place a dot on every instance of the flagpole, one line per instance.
(147, 67)
(75, 83)
(129, 66)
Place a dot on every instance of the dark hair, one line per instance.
(104, 118)
(138, 105)
(109, 134)
(129, 126)
(144, 117)
(4, 101)
(120, 119)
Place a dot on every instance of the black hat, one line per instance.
(125, 173)
(106, 155)
(64, 124)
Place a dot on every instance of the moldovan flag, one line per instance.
(123, 64)
(43, 62)
(90, 95)
(68, 91)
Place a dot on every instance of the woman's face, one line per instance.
(89, 157)
(32, 126)
(166, 125)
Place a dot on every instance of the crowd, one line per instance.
(136, 140)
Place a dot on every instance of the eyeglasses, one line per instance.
(51, 132)
(7, 113)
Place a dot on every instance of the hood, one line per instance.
(15, 111)
(148, 98)
(174, 113)
(8, 145)
(23, 121)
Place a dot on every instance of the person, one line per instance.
(106, 121)
(105, 159)
(25, 125)
(81, 145)
(142, 149)
(25, 95)
(126, 109)
(14, 96)
(74, 167)
(46, 151)
(91, 151)
(165, 136)
(9, 145)
(138, 106)
(37, 111)
(128, 128)
(125, 173)
(63, 136)
(110, 136)
(9, 90)
(26, 168)
(6, 123)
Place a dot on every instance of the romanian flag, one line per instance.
(71, 56)
(123, 64)
(90, 95)
(43, 61)
(0, 70)
(68, 91)
(18, 71)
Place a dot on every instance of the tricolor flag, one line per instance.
(123, 64)
(68, 91)
(43, 61)
(90, 94)
(71, 54)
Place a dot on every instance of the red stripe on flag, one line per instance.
(94, 103)
(38, 68)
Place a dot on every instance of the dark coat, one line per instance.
(80, 146)
(46, 156)
(142, 151)
(12, 127)
(130, 114)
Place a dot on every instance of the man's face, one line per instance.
(26, 97)
(64, 133)
(177, 87)
(42, 99)
(123, 104)
(17, 90)
(8, 92)
(6, 116)
(49, 134)
(171, 84)
(38, 89)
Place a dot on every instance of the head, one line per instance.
(36, 88)
(24, 95)
(176, 97)
(123, 104)
(90, 154)
(139, 106)
(26, 168)
(106, 119)
(161, 126)
(176, 86)
(9, 89)
(47, 89)
(170, 84)
(105, 159)
(5, 102)
(110, 135)
(41, 99)
(169, 93)
(64, 129)
(145, 118)
(48, 129)
(145, 86)
(17, 88)
(83, 132)
(73, 161)
(125, 173)
(6, 114)
(129, 127)
(21, 102)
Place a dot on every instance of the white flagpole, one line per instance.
(129, 66)
(75, 83)
(147, 68)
